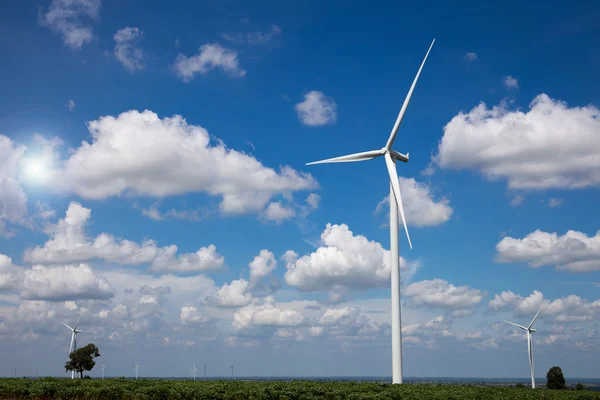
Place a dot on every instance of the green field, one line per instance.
(111, 389)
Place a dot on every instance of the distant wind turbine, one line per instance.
(529, 331)
(231, 371)
(194, 371)
(103, 366)
(204, 371)
(73, 347)
(137, 367)
(391, 156)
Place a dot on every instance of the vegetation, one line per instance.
(82, 359)
(556, 380)
(142, 389)
(580, 386)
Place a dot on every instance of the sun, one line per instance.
(36, 169)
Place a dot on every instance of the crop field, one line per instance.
(113, 389)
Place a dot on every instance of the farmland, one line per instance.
(95, 389)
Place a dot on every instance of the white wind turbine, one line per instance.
(194, 371)
(103, 366)
(529, 331)
(73, 347)
(137, 367)
(391, 156)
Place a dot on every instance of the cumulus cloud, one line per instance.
(574, 251)
(439, 293)
(276, 212)
(13, 200)
(255, 38)
(313, 200)
(10, 274)
(549, 146)
(316, 109)
(69, 282)
(233, 294)
(571, 308)
(70, 105)
(261, 266)
(470, 57)
(127, 50)
(66, 17)
(209, 57)
(510, 83)
(139, 154)
(192, 316)
(253, 319)
(68, 243)
(344, 261)
(420, 209)
(554, 202)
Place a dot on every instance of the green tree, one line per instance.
(556, 380)
(82, 359)
(579, 386)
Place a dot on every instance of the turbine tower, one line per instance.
(102, 369)
(137, 367)
(194, 371)
(204, 371)
(73, 347)
(231, 372)
(391, 156)
(529, 331)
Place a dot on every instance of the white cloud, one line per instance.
(420, 209)
(139, 154)
(191, 316)
(127, 50)
(65, 18)
(517, 200)
(69, 282)
(574, 251)
(70, 105)
(261, 266)
(209, 57)
(550, 146)
(470, 57)
(233, 294)
(554, 202)
(10, 274)
(565, 309)
(205, 259)
(13, 200)
(68, 243)
(510, 83)
(313, 200)
(316, 109)
(440, 293)
(345, 261)
(277, 213)
(254, 38)
(253, 319)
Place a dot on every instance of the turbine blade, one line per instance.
(68, 326)
(365, 155)
(396, 188)
(533, 320)
(517, 325)
(390, 141)
(77, 321)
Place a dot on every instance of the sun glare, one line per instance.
(36, 169)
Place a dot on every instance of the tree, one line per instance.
(579, 386)
(556, 380)
(82, 359)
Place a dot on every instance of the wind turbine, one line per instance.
(194, 371)
(103, 366)
(231, 371)
(137, 367)
(204, 371)
(73, 346)
(391, 156)
(529, 331)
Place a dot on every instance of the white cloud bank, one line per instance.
(550, 146)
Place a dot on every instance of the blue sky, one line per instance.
(203, 116)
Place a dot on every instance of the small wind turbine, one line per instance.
(137, 367)
(73, 347)
(231, 371)
(391, 156)
(194, 371)
(103, 366)
(529, 331)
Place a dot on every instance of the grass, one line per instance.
(114, 389)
